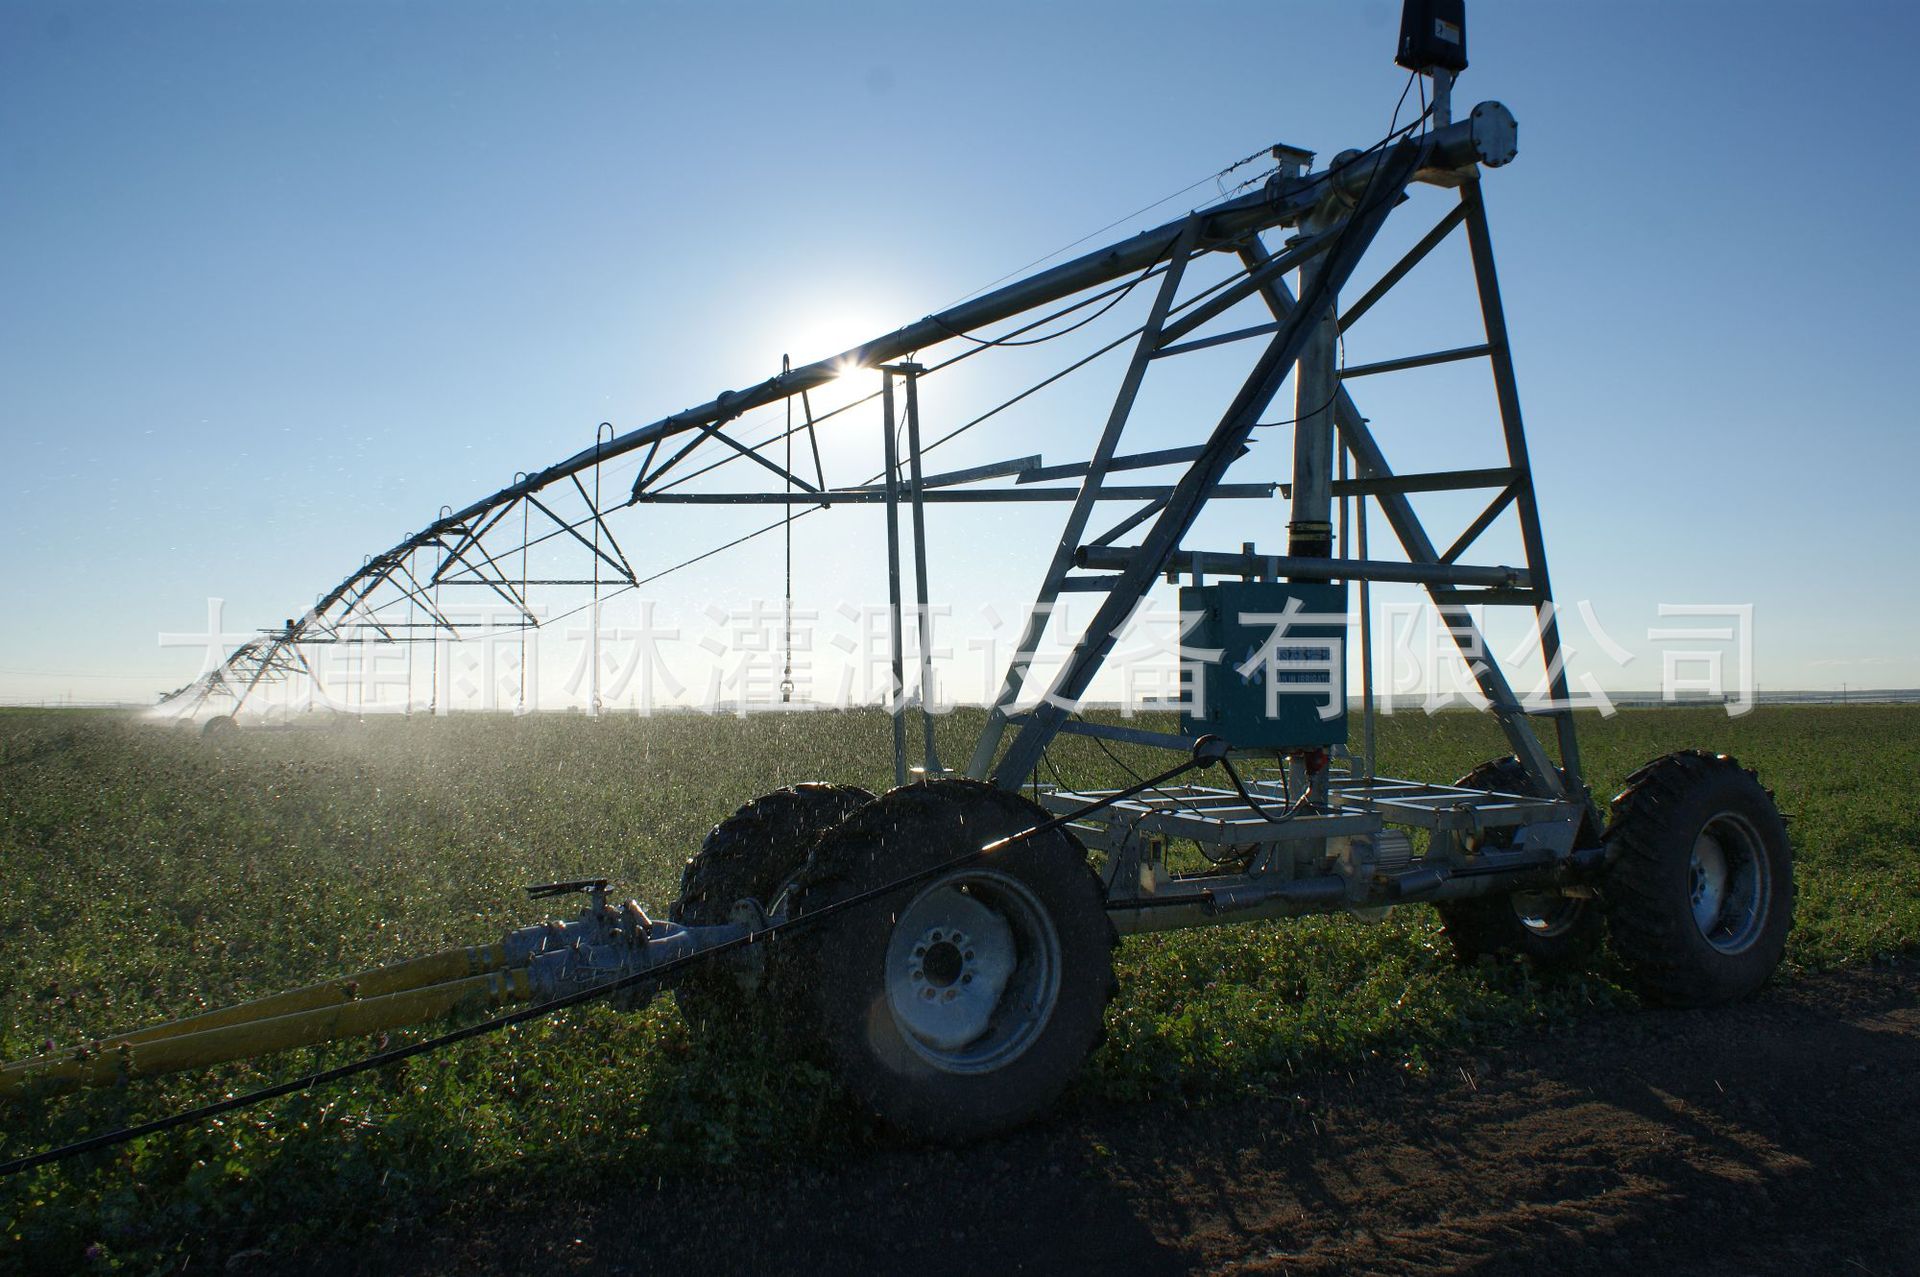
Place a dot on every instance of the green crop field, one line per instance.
(146, 873)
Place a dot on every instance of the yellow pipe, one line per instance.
(415, 973)
(97, 1066)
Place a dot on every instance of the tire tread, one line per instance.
(1648, 933)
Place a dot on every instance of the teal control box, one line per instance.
(1279, 679)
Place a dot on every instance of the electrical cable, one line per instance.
(1260, 809)
(1133, 775)
(1121, 291)
(1044, 382)
(1359, 208)
(1046, 757)
(1206, 752)
(1394, 133)
(1175, 799)
(1290, 809)
(946, 438)
(1021, 270)
(1152, 268)
(732, 456)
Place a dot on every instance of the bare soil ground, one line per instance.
(1780, 1136)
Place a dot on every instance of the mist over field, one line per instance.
(150, 872)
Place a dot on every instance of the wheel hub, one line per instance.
(942, 961)
(1707, 882)
(972, 971)
(1728, 883)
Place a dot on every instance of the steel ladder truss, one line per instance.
(1344, 849)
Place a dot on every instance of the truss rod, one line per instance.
(1135, 461)
(471, 533)
(1480, 524)
(1299, 255)
(962, 496)
(1414, 361)
(812, 421)
(1398, 271)
(572, 530)
(1439, 481)
(599, 518)
(1131, 522)
(501, 584)
(1270, 566)
(993, 470)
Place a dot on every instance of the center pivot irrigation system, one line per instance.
(949, 943)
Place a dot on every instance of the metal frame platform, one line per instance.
(1335, 855)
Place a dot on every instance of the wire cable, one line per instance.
(1206, 752)
(732, 456)
(1021, 270)
(1133, 775)
(1260, 809)
(1152, 268)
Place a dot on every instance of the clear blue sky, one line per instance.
(278, 280)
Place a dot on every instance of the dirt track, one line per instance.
(1782, 1136)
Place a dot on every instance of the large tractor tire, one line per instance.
(1551, 930)
(1700, 886)
(751, 853)
(963, 1005)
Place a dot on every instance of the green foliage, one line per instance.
(148, 873)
